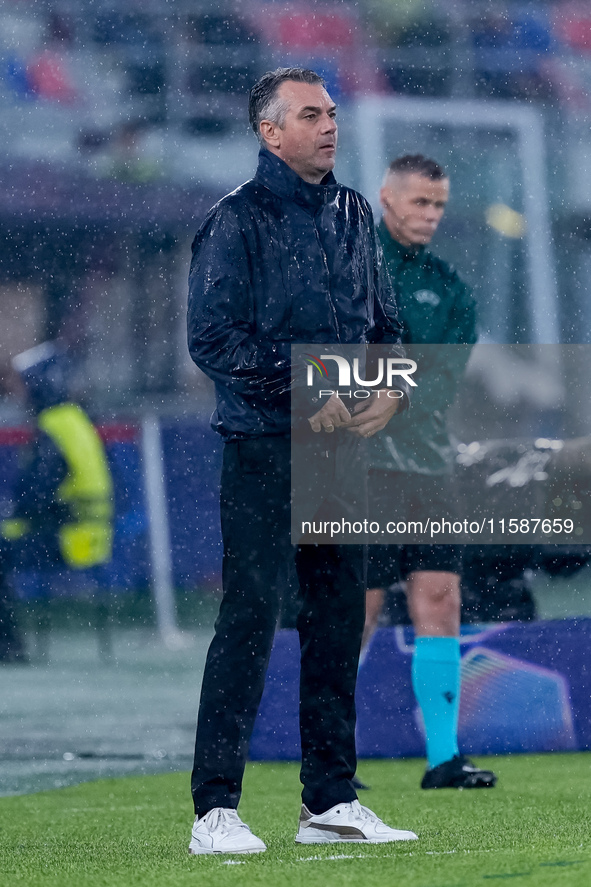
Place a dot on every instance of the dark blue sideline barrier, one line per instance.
(526, 687)
(192, 459)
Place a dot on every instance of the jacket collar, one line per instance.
(281, 179)
(395, 251)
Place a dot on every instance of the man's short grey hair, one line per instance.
(265, 104)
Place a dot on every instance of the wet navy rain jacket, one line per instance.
(276, 262)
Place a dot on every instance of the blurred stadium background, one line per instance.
(123, 122)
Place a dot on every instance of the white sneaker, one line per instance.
(222, 831)
(347, 822)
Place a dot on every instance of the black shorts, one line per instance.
(387, 564)
(398, 492)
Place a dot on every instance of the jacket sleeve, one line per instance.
(463, 326)
(445, 366)
(222, 335)
(388, 328)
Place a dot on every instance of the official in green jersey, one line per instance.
(410, 462)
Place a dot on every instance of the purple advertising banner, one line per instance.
(526, 687)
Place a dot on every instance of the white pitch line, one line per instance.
(362, 856)
(447, 852)
(339, 856)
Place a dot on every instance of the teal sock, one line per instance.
(436, 682)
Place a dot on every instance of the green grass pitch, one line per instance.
(533, 829)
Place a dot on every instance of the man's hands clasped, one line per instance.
(368, 417)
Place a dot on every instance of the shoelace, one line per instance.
(358, 811)
(364, 812)
(225, 820)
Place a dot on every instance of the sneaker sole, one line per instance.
(479, 784)
(339, 839)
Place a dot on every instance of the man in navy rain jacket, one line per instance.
(289, 257)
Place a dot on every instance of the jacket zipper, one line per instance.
(330, 300)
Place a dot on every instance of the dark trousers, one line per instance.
(255, 514)
(11, 644)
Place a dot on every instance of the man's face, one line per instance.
(413, 206)
(308, 140)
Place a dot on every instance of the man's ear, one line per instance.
(384, 198)
(271, 133)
